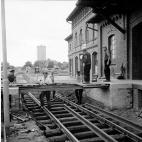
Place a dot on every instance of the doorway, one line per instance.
(94, 66)
(137, 52)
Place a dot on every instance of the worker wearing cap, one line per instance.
(11, 77)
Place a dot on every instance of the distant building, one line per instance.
(41, 52)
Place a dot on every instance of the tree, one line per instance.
(41, 64)
(65, 65)
(59, 65)
(28, 63)
(51, 64)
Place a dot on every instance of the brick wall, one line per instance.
(120, 43)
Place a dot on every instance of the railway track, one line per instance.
(114, 118)
(69, 122)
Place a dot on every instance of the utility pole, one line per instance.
(5, 79)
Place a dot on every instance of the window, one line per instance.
(112, 46)
(75, 39)
(70, 66)
(80, 37)
(76, 65)
(87, 35)
(94, 31)
(94, 63)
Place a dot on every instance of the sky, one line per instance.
(30, 23)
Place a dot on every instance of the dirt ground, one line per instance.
(24, 131)
(130, 114)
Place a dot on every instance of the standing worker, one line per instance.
(78, 93)
(107, 63)
(87, 65)
(46, 80)
(12, 79)
(52, 79)
(11, 76)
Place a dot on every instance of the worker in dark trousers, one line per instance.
(107, 63)
(52, 80)
(47, 95)
(87, 66)
(46, 80)
(78, 93)
(54, 94)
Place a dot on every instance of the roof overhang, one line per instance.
(106, 8)
(74, 12)
(109, 7)
(68, 37)
(95, 19)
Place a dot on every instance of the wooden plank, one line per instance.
(96, 85)
(51, 87)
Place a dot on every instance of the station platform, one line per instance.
(120, 94)
(115, 94)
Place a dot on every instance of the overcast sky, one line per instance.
(30, 23)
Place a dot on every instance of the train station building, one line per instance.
(116, 26)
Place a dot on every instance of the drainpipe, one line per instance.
(101, 58)
(5, 79)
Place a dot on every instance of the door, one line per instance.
(137, 52)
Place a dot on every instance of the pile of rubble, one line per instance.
(23, 129)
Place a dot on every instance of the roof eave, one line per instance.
(75, 10)
(68, 37)
(109, 7)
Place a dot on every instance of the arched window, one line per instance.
(112, 46)
(87, 35)
(75, 39)
(80, 37)
(94, 66)
(94, 31)
(70, 66)
(94, 63)
(76, 65)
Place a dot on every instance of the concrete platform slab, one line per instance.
(118, 95)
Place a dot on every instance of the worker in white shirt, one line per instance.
(47, 79)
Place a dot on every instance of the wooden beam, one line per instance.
(115, 25)
(102, 14)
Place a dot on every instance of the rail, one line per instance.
(124, 131)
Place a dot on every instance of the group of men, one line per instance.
(86, 59)
(49, 78)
